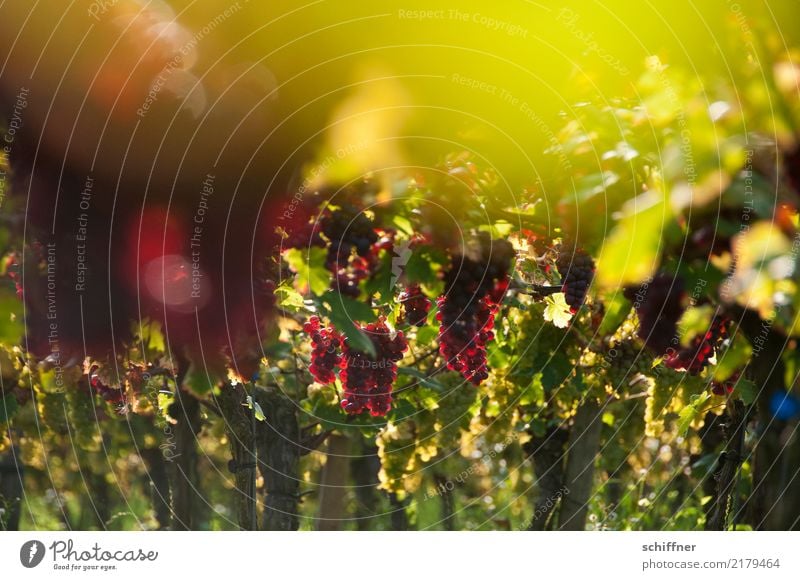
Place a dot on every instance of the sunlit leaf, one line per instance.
(691, 413)
(630, 254)
(733, 357)
(557, 310)
(309, 265)
(11, 329)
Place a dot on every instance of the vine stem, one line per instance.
(729, 462)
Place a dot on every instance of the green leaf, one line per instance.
(289, 298)
(499, 229)
(258, 411)
(382, 280)
(420, 265)
(557, 310)
(355, 310)
(310, 268)
(734, 357)
(630, 254)
(402, 410)
(556, 371)
(403, 224)
(343, 313)
(200, 382)
(694, 322)
(10, 318)
(427, 334)
(594, 184)
(497, 357)
(689, 414)
(747, 391)
(533, 394)
(617, 309)
(8, 407)
(422, 378)
(149, 332)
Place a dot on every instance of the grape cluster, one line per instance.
(367, 380)
(305, 236)
(474, 285)
(463, 339)
(695, 357)
(397, 450)
(326, 355)
(415, 306)
(577, 272)
(453, 415)
(11, 267)
(109, 394)
(349, 230)
(724, 388)
(626, 360)
(659, 306)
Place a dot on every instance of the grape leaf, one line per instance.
(289, 298)
(734, 357)
(617, 309)
(10, 319)
(310, 268)
(557, 310)
(149, 332)
(747, 391)
(630, 254)
(343, 313)
(422, 378)
(689, 414)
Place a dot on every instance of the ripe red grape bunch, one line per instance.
(659, 305)
(326, 355)
(726, 387)
(367, 380)
(474, 286)
(415, 306)
(577, 272)
(695, 357)
(349, 229)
